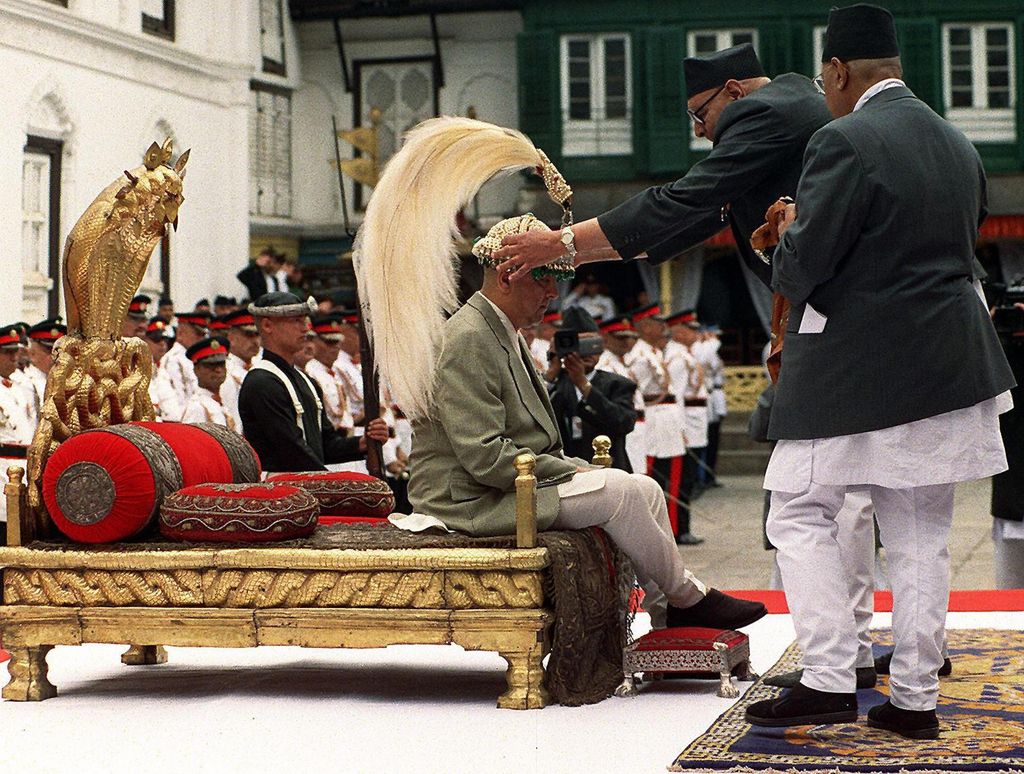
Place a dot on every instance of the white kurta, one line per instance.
(181, 375)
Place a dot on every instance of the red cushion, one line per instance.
(344, 494)
(107, 484)
(688, 638)
(238, 513)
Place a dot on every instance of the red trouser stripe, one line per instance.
(674, 484)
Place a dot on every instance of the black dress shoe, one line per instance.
(688, 539)
(882, 665)
(803, 706)
(912, 724)
(866, 678)
(717, 611)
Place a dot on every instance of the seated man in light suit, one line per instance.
(495, 407)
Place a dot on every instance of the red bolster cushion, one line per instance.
(343, 494)
(238, 513)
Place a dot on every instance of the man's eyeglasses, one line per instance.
(697, 115)
(819, 82)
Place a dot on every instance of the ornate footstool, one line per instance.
(688, 650)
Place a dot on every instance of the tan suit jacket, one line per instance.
(489, 407)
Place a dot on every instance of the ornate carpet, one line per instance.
(981, 711)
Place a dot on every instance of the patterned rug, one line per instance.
(981, 711)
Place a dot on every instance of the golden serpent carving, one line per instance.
(268, 588)
(99, 379)
(179, 588)
(458, 590)
(493, 590)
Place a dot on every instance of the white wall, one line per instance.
(479, 59)
(89, 76)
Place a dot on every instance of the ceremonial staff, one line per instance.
(371, 388)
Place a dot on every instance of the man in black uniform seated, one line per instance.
(282, 411)
(589, 402)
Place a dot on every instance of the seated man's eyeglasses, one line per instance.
(697, 116)
(819, 82)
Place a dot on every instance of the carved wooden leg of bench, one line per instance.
(27, 668)
(138, 655)
(525, 678)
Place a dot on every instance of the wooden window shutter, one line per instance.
(922, 65)
(668, 127)
(539, 92)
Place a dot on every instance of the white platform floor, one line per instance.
(401, 709)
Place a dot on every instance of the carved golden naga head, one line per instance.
(155, 194)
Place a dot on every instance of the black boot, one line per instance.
(866, 678)
(912, 724)
(717, 611)
(882, 665)
(803, 706)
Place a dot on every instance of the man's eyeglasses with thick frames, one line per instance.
(819, 82)
(696, 115)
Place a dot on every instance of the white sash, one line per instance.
(266, 365)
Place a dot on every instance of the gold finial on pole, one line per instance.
(526, 501)
(602, 447)
(14, 491)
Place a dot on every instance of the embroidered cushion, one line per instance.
(107, 484)
(688, 638)
(345, 493)
(238, 513)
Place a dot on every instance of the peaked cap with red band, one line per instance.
(218, 324)
(621, 325)
(651, 311)
(328, 327)
(10, 336)
(240, 319)
(139, 307)
(47, 331)
(687, 317)
(552, 318)
(211, 351)
(195, 317)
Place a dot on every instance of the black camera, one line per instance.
(1007, 318)
(569, 341)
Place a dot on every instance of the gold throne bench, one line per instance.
(311, 593)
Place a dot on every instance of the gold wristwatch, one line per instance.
(568, 240)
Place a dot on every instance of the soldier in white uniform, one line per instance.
(541, 344)
(208, 356)
(41, 338)
(686, 378)
(15, 423)
(348, 369)
(192, 327)
(135, 323)
(619, 339)
(326, 346)
(663, 426)
(162, 395)
(714, 377)
(245, 346)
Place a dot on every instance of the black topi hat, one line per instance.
(860, 32)
(711, 71)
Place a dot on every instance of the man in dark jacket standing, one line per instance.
(282, 411)
(893, 379)
(589, 402)
(759, 128)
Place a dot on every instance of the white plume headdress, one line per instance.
(405, 254)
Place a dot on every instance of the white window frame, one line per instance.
(979, 122)
(724, 38)
(270, 142)
(600, 135)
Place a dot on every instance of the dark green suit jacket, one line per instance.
(888, 209)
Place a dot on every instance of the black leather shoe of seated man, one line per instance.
(866, 678)
(717, 611)
(803, 706)
(912, 724)
(883, 662)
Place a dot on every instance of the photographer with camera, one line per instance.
(588, 402)
(1008, 487)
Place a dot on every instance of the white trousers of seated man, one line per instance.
(631, 508)
(914, 525)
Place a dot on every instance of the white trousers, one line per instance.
(914, 524)
(630, 507)
(636, 449)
